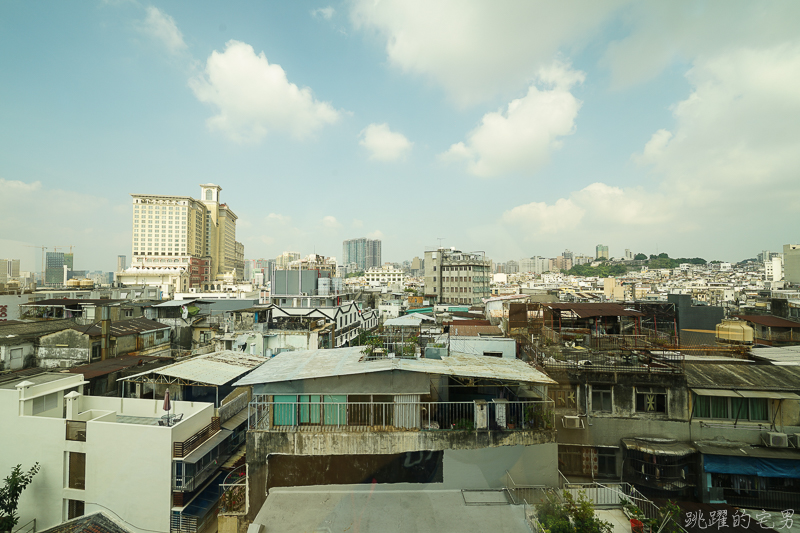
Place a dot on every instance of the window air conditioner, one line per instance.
(794, 440)
(777, 440)
(572, 422)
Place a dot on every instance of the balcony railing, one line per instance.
(387, 416)
(76, 430)
(234, 500)
(182, 449)
(618, 361)
(773, 500)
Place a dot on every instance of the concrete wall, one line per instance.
(69, 346)
(262, 443)
(28, 352)
(481, 345)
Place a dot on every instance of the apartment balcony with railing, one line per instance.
(320, 427)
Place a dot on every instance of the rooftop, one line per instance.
(18, 332)
(737, 376)
(213, 369)
(375, 507)
(37, 379)
(121, 328)
(310, 364)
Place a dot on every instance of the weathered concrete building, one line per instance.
(343, 416)
(84, 344)
(19, 341)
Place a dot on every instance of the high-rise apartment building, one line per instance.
(54, 264)
(366, 253)
(168, 231)
(601, 251)
(283, 260)
(122, 263)
(452, 276)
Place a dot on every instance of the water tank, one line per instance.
(734, 332)
(87, 284)
(73, 283)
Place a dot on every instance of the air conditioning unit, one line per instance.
(794, 440)
(777, 440)
(572, 422)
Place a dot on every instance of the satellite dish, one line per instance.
(184, 312)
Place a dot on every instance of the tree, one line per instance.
(572, 516)
(640, 257)
(10, 492)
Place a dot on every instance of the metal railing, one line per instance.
(190, 483)
(182, 449)
(76, 430)
(226, 411)
(619, 361)
(772, 500)
(235, 493)
(381, 416)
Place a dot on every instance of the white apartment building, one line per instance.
(170, 230)
(103, 453)
(385, 275)
(773, 269)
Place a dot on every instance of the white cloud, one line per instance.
(324, 12)
(477, 49)
(162, 27)
(377, 234)
(737, 135)
(330, 222)
(254, 97)
(663, 32)
(357, 223)
(541, 218)
(520, 138)
(383, 143)
(278, 218)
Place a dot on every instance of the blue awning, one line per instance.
(751, 466)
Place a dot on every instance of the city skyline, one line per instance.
(654, 128)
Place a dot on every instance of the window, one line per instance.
(601, 398)
(651, 400)
(731, 408)
(607, 462)
(75, 508)
(77, 471)
(563, 397)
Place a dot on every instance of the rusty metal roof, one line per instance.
(457, 330)
(213, 369)
(121, 328)
(770, 321)
(742, 377)
(62, 302)
(588, 310)
(114, 364)
(27, 331)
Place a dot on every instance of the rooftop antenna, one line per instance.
(440, 239)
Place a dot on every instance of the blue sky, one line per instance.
(517, 128)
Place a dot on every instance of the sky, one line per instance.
(517, 128)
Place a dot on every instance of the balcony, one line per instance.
(182, 449)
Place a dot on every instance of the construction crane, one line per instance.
(43, 248)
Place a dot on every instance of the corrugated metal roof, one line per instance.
(769, 320)
(310, 364)
(109, 366)
(61, 302)
(25, 331)
(587, 310)
(178, 303)
(738, 377)
(214, 369)
(409, 320)
(778, 355)
(121, 328)
(659, 448)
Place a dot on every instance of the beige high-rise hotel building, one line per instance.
(170, 231)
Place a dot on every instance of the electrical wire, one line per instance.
(118, 516)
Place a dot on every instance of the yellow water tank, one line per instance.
(734, 331)
(87, 284)
(73, 283)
